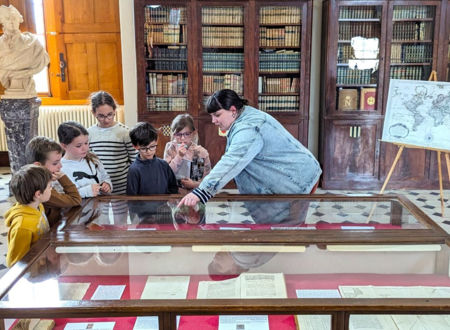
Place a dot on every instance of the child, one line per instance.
(110, 141)
(47, 153)
(82, 166)
(31, 186)
(149, 174)
(183, 147)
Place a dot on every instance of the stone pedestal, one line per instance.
(21, 125)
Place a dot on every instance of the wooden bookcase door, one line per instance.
(411, 53)
(354, 35)
(222, 50)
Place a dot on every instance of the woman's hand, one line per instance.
(189, 200)
(105, 188)
(189, 184)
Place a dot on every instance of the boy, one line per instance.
(31, 186)
(48, 153)
(149, 174)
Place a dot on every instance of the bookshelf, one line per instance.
(259, 48)
(365, 44)
(165, 40)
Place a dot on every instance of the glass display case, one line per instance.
(267, 262)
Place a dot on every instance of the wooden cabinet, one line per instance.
(186, 50)
(365, 43)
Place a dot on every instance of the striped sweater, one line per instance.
(113, 146)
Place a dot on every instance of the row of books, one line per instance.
(359, 12)
(223, 61)
(278, 85)
(408, 53)
(163, 14)
(171, 52)
(163, 64)
(407, 72)
(345, 52)
(212, 83)
(345, 75)
(167, 84)
(280, 15)
(279, 56)
(350, 99)
(222, 15)
(278, 103)
(288, 66)
(216, 36)
(412, 31)
(413, 12)
(288, 36)
(165, 33)
(166, 104)
(216, 66)
(347, 30)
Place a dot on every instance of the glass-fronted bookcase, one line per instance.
(365, 44)
(187, 49)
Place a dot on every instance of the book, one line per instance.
(348, 99)
(368, 98)
(246, 286)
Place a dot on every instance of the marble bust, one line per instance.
(21, 56)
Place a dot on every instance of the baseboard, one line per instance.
(4, 159)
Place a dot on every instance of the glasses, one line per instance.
(180, 135)
(147, 149)
(103, 117)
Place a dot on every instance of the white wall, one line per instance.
(128, 43)
(127, 32)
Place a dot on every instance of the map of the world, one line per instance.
(418, 114)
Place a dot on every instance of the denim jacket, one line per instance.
(263, 158)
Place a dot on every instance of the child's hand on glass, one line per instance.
(95, 189)
(105, 188)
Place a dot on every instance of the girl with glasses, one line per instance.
(110, 141)
(188, 160)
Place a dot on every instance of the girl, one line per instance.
(79, 164)
(110, 141)
(184, 147)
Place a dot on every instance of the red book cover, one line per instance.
(368, 98)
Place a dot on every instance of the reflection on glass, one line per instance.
(266, 214)
(358, 57)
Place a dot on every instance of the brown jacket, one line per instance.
(58, 201)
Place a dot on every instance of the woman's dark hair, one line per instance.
(70, 130)
(224, 99)
(101, 98)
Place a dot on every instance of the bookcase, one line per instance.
(365, 44)
(187, 49)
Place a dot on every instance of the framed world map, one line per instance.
(418, 114)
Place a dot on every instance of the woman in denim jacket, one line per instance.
(260, 155)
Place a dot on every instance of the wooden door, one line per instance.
(83, 38)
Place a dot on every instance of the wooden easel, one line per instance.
(439, 151)
(433, 77)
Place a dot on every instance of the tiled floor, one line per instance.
(427, 200)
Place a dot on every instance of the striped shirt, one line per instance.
(113, 146)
